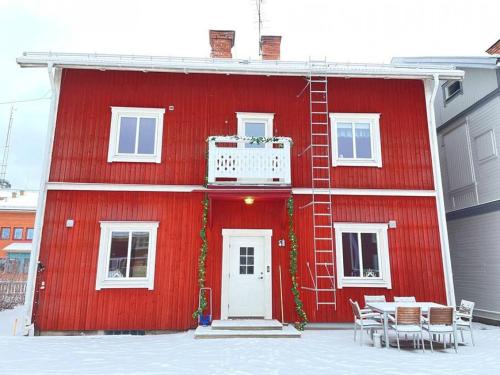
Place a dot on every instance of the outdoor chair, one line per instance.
(441, 321)
(464, 318)
(365, 321)
(408, 320)
(405, 299)
(369, 299)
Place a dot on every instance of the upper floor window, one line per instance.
(451, 89)
(29, 233)
(18, 233)
(127, 253)
(5, 233)
(255, 125)
(362, 255)
(136, 134)
(356, 139)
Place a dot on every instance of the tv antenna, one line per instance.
(4, 184)
(258, 4)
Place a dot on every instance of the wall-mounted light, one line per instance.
(281, 243)
(70, 223)
(392, 224)
(248, 200)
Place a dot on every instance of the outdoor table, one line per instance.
(386, 308)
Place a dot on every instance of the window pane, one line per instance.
(5, 233)
(29, 233)
(126, 143)
(147, 132)
(363, 141)
(344, 140)
(350, 250)
(139, 254)
(370, 255)
(249, 270)
(118, 254)
(18, 233)
(255, 129)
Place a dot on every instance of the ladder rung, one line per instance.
(324, 251)
(316, 91)
(325, 264)
(326, 134)
(323, 214)
(319, 123)
(321, 167)
(321, 202)
(323, 238)
(320, 156)
(322, 226)
(321, 179)
(319, 113)
(317, 145)
(327, 303)
(318, 102)
(318, 80)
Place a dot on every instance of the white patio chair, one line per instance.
(364, 321)
(405, 299)
(408, 321)
(464, 318)
(441, 321)
(369, 299)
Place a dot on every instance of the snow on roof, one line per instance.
(18, 247)
(18, 200)
(233, 66)
(485, 62)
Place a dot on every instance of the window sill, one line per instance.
(357, 163)
(364, 283)
(134, 159)
(125, 284)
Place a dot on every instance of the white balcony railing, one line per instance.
(241, 160)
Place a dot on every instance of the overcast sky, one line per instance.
(345, 31)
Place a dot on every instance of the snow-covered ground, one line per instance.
(317, 352)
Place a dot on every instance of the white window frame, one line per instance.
(107, 227)
(380, 229)
(244, 117)
(116, 114)
(374, 120)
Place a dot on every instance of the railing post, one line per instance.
(288, 167)
(211, 162)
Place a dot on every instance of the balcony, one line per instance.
(234, 160)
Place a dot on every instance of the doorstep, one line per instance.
(246, 328)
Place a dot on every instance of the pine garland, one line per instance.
(299, 306)
(202, 258)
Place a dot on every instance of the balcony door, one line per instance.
(252, 124)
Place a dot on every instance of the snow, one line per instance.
(7, 320)
(318, 352)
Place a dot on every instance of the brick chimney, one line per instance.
(270, 47)
(495, 48)
(221, 42)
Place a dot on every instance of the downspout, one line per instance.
(55, 80)
(431, 88)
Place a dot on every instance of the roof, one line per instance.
(232, 66)
(485, 62)
(18, 200)
(18, 247)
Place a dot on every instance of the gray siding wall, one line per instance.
(469, 157)
(475, 259)
(477, 84)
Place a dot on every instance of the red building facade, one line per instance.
(88, 193)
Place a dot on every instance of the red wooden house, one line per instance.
(141, 149)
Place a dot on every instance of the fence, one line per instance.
(11, 293)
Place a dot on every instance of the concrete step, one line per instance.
(247, 324)
(209, 333)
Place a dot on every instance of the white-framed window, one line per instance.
(451, 89)
(251, 124)
(356, 139)
(136, 135)
(127, 252)
(362, 252)
(18, 233)
(29, 233)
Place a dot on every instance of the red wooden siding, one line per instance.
(206, 104)
(70, 301)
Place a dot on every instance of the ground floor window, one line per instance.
(127, 255)
(362, 255)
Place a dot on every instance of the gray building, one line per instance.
(468, 126)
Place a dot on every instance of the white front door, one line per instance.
(247, 274)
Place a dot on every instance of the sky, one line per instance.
(342, 31)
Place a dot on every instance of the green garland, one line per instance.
(251, 140)
(299, 306)
(202, 258)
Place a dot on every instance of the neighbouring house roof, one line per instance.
(233, 66)
(18, 200)
(18, 247)
(485, 62)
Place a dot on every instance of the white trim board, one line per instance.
(226, 239)
(78, 186)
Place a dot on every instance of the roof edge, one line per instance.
(233, 66)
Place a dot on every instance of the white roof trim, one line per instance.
(18, 247)
(232, 66)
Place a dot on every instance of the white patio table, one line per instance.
(386, 308)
